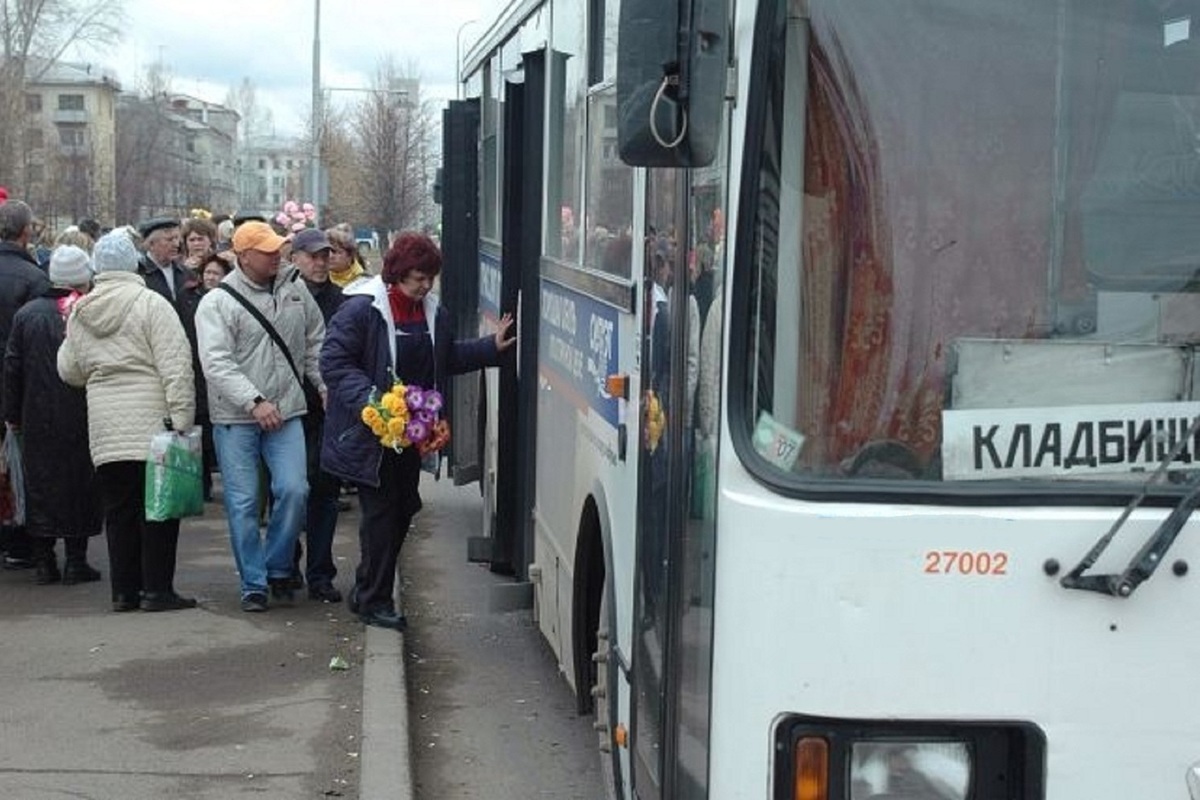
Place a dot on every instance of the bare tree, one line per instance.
(34, 35)
(392, 128)
(257, 119)
(340, 163)
(156, 170)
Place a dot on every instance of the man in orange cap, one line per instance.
(260, 335)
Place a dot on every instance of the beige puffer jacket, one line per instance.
(126, 345)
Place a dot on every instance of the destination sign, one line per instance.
(1075, 441)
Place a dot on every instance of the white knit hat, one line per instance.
(114, 252)
(70, 266)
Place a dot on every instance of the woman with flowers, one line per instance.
(387, 354)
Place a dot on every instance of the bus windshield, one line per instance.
(975, 242)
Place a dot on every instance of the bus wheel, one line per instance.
(604, 698)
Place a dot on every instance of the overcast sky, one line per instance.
(210, 46)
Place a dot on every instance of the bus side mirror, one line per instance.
(672, 59)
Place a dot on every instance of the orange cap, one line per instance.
(256, 236)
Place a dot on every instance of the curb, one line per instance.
(386, 769)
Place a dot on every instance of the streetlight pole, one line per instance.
(458, 58)
(316, 112)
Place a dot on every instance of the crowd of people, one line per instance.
(271, 339)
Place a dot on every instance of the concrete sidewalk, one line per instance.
(200, 704)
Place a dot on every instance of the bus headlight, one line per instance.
(829, 758)
(883, 768)
(1193, 781)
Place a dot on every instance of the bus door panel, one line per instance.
(666, 386)
(460, 278)
(521, 203)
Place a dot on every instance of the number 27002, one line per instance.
(966, 562)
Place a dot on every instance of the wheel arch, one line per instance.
(593, 563)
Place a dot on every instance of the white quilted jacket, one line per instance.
(125, 343)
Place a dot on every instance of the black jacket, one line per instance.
(61, 495)
(329, 299)
(153, 276)
(21, 280)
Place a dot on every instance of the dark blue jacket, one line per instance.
(358, 358)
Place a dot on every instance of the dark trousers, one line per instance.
(320, 518)
(16, 542)
(141, 554)
(75, 548)
(208, 455)
(387, 512)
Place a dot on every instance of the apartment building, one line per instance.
(273, 170)
(211, 137)
(67, 167)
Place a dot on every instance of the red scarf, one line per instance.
(405, 310)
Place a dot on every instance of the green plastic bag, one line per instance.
(174, 486)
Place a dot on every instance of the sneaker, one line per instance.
(281, 589)
(325, 592)
(254, 602)
(166, 601)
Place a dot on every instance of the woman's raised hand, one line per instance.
(503, 342)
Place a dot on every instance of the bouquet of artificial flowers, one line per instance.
(407, 416)
(296, 217)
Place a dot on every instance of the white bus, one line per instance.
(850, 447)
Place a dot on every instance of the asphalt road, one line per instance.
(200, 704)
(489, 714)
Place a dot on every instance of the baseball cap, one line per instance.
(256, 236)
(311, 240)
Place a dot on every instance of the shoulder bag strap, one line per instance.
(267, 326)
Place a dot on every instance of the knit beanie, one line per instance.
(114, 252)
(70, 266)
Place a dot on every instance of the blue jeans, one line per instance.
(239, 449)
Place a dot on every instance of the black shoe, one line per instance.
(343, 504)
(16, 562)
(295, 583)
(166, 601)
(126, 602)
(384, 618)
(254, 602)
(47, 572)
(325, 592)
(80, 573)
(281, 589)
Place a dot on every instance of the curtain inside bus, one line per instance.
(952, 156)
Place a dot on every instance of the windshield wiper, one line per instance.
(1151, 554)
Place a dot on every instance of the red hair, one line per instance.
(411, 251)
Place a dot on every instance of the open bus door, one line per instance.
(460, 279)
(512, 540)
